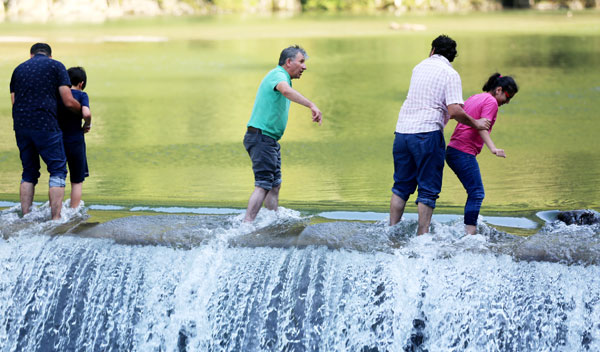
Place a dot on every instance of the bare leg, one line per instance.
(26, 192)
(56, 195)
(397, 205)
(471, 229)
(254, 203)
(425, 213)
(272, 199)
(76, 190)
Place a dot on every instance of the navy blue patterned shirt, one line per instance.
(69, 121)
(35, 84)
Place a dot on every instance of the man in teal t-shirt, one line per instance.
(267, 124)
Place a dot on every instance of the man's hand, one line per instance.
(499, 152)
(457, 112)
(87, 127)
(482, 124)
(317, 116)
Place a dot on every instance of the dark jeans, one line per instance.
(49, 145)
(465, 166)
(265, 154)
(419, 161)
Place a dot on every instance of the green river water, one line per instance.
(171, 97)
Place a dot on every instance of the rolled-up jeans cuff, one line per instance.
(400, 194)
(471, 218)
(56, 181)
(428, 202)
(268, 185)
(264, 185)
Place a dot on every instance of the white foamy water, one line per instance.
(517, 222)
(184, 210)
(212, 283)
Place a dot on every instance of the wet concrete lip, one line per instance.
(515, 222)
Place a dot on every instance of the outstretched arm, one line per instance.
(458, 113)
(67, 98)
(295, 96)
(485, 135)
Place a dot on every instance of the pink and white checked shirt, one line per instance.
(433, 86)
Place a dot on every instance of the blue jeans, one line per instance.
(49, 145)
(419, 161)
(465, 166)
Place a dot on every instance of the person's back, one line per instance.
(35, 88)
(35, 85)
(432, 87)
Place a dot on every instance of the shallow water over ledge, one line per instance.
(211, 283)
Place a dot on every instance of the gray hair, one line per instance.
(290, 53)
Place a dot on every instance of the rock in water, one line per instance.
(579, 217)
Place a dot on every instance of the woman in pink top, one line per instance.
(466, 142)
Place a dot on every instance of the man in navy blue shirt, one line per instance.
(35, 87)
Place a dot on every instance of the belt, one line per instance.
(254, 130)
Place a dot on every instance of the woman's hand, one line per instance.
(499, 152)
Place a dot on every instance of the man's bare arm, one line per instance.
(295, 96)
(67, 99)
(458, 113)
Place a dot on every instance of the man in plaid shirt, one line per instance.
(434, 97)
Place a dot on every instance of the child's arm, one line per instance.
(87, 118)
(485, 135)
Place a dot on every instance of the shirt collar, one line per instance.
(441, 58)
(283, 69)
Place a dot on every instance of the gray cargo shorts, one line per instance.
(265, 153)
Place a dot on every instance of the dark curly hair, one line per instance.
(445, 46)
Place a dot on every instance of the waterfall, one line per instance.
(210, 283)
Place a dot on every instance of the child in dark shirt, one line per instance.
(73, 131)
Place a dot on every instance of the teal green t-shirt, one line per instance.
(270, 112)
